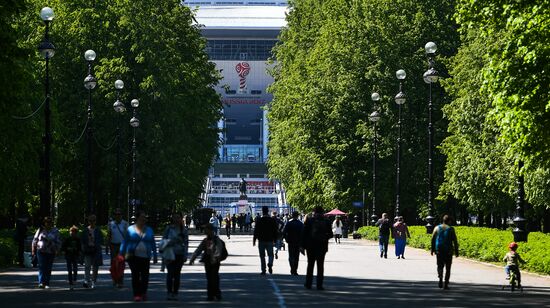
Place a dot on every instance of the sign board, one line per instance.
(357, 204)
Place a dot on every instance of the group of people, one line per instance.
(134, 245)
(398, 230)
(309, 238)
(444, 244)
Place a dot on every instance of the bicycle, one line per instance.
(513, 282)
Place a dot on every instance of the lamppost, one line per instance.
(400, 99)
(89, 83)
(430, 76)
(520, 231)
(134, 122)
(374, 117)
(47, 50)
(119, 108)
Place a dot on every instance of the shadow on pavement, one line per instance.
(252, 290)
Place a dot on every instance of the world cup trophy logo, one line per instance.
(242, 68)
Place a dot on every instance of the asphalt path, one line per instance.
(355, 275)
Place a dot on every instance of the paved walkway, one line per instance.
(355, 276)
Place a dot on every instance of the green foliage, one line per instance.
(484, 244)
(159, 53)
(331, 57)
(499, 114)
(8, 249)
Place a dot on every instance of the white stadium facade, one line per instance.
(240, 36)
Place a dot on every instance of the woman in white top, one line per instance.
(337, 229)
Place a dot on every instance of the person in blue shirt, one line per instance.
(138, 247)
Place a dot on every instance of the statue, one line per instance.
(242, 189)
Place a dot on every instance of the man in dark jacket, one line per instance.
(291, 233)
(384, 229)
(315, 237)
(265, 232)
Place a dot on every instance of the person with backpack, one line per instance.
(444, 243)
(314, 240)
(384, 228)
(213, 252)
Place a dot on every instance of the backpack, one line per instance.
(442, 241)
(318, 230)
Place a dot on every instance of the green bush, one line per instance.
(8, 249)
(484, 244)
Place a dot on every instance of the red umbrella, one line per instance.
(335, 212)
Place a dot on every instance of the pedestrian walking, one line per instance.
(315, 237)
(115, 235)
(215, 223)
(20, 236)
(227, 221)
(292, 233)
(337, 229)
(72, 249)
(213, 252)
(384, 227)
(280, 226)
(176, 243)
(444, 242)
(45, 244)
(240, 221)
(265, 231)
(247, 222)
(234, 222)
(400, 234)
(138, 246)
(91, 239)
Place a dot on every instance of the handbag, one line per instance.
(168, 254)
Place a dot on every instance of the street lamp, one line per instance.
(119, 108)
(430, 76)
(134, 122)
(47, 50)
(374, 117)
(520, 231)
(89, 83)
(400, 99)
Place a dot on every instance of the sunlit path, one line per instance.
(355, 276)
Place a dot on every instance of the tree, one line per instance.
(330, 58)
(160, 55)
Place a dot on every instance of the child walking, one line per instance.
(213, 252)
(72, 248)
(512, 260)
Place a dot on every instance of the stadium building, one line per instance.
(240, 36)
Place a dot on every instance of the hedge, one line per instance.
(484, 244)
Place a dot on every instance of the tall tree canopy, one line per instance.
(158, 51)
(500, 110)
(331, 57)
